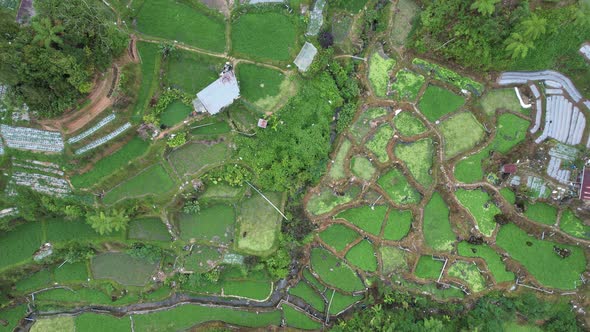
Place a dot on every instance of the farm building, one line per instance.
(305, 56)
(509, 169)
(218, 94)
(585, 186)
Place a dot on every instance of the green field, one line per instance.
(497, 99)
(71, 272)
(541, 212)
(152, 181)
(12, 316)
(187, 23)
(394, 260)
(211, 127)
(252, 34)
(490, 256)
(397, 187)
(508, 195)
(175, 113)
(89, 322)
(403, 21)
(457, 138)
(428, 268)
(194, 156)
(407, 85)
(437, 102)
(469, 273)
(362, 255)
(418, 158)
(572, 225)
(362, 167)
(379, 68)
(234, 283)
(366, 218)
(349, 5)
(212, 224)
(57, 230)
(398, 225)
(298, 319)
(19, 244)
(221, 192)
(334, 271)
(481, 207)
(122, 268)
(202, 259)
(259, 224)
(308, 294)
(258, 83)
(437, 230)
(150, 64)
(55, 324)
(408, 125)
(469, 170)
(191, 72)
(150, 229)
(361, 127)
(337, 168)
(327, 200)
(338, 236)
(539, 258)
(36, 281)
(341, 301)
(378, 143)
(111, 164)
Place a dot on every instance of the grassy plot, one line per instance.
(19, 245)
(253, 33)
(362, 125)
(362, 167)
(194, 156)
(234, 283)
(111, 164)
(202, 259)
(449, 76)
(437, 230)
(490, 256)
(469, 170)
(55, 324)
(328, 200)
(150, 229)
(379, 68)
(338, 236)
(397, 187)
(469, 273)
(298, 319)
(313, 280)
(457, 138)
(378, 143)
(152, 181)
(184, 22)
(508, 195)
(211, 126)
(500, 99)
(150, 63)
(259, 84)
(428, 268)
(337, 169)
(71, 272)
(366, 218)
(418, 158)
(175, 113)
(334, 271)
(398, 225)
(407, 85)
(572, 225)
(394, 260)
(259, 224)
(12, 316)
(541, 212)
(309, 295)
(212, 224)
(122, 268)
(406, 11)
(431, 288)
(481, 207)
(408, 125)
(541, 260)
(190, 71)
(437, 102)
(36, 281)
(363, 256)
(511, 130)
(57, 230)
(221, 191)
(89, 322)
(349, 5)
(339, 302)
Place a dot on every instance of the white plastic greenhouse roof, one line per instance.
(305, 56)
(220, 93)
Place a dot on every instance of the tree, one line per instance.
(326, 39)
(485, 7)
(166, 49)
(176, 140)
(518, 46)
(46, 33)
(107, 222)
(582, 14)
(191, 207)
(533, 27)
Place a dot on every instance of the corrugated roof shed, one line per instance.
(585, 189)
(220, 93)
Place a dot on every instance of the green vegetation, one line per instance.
(508, 195)
(191, 72)
(407, 85)
(152, 181)
(403, 21)
(109, 165)
(437, 228)
(457, 139)
(337, 169)
(541, 260)
(19, 244)
(257, 82)
(122, 268)
(12, 316)
(470, 170)
(327, 200)
(338, 236)
(365, 217)
(89, 321)
(394, 260)
(194, 156)
(398, 225)
(341, 301)
(437, 102)
(500, 99)
(362, 126)
(259, 224)
(202, 259)
(55, 324)
(428, 268)
(408, 124)
(469, 273)
(397, 187)
(490, 256)
(379, 68)
(481, 207)
(308, 294)
(150, 65)
(362, 167)
(572, 225)
(349, 5)
(418, 158)
(175, 113)
(541, 212)
(378, 143)
(179, 21)
(334, 272)
(362, 255)
(150, 229)
(36, 281)
(253, 33)
(71, 272)
(213, 224)
(297, 319)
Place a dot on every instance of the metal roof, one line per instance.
(305, 56)
(585, 188)
(220, 93)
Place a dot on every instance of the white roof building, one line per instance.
(305, 56)
(218, 94)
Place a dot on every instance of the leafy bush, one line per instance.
(148, 252)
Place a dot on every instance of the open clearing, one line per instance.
(363, 256)
(190, 71)
(541, 212)
(437, 230)
(500, 99)
(408, 125)
(150, 65)
(469, 273)
(362, 167)
(481, 207)
(212, 224)
(327, 200)
(307, 293)
(437, 102)
(152, 181)
(175, 113)
(259, 224)
(397, 187)
(150, 229)
(457, 138)
(122, 268)
(334, 271)
(378, 143)
(261, 85)
(362, 125)
(366, 218)
(406, 11)
(572, 225)
(490, 256)
(379, 70)
(407, 85)
(398, 225)
(337, 168)
(418, 158)
(338, 236)
(428, 268)
(394, 260)
(194, 156)
(19, 244)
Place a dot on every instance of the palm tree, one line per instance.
(534, 26)
(46, 33)
(518, 45)
(104, 223)
(485, 7)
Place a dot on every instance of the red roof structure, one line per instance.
(509, 168)
(262, 123)
(585, 188)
